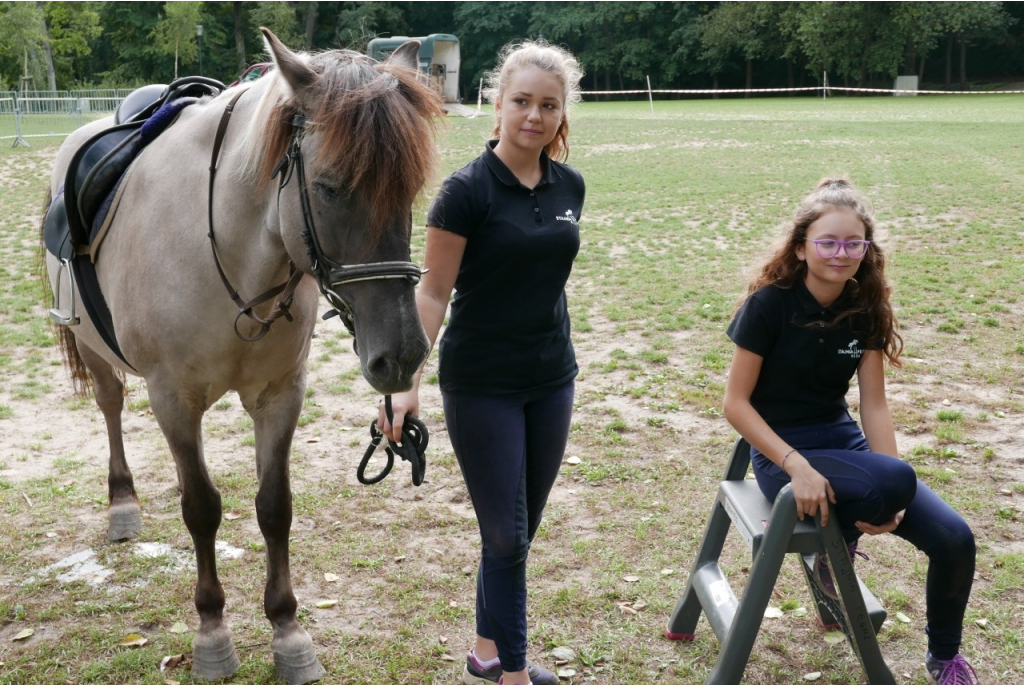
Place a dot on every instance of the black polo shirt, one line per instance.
(509, 325)
(807, 364)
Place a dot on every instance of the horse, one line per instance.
(320, 163)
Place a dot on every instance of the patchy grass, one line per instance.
(679, 204)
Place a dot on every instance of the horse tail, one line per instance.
(81, 381)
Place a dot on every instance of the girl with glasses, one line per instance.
(817, 313)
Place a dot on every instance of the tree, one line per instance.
(23, 35)
(176, 32)
(280, 18)
(72, 26)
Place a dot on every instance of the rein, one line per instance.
(412, 449)
(286, 290)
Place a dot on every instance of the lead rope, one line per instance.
(412, 449)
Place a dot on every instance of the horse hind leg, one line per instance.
(275, 415)
(124, 513)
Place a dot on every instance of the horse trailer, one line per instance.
(438, 57)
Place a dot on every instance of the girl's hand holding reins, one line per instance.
(401, 404)
(887, 527)
(811, 489)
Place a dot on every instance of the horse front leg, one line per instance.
(124, 513)
(275, 414)
(213, 654)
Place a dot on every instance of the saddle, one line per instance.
(81, 213)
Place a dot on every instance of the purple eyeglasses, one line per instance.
(828, 248)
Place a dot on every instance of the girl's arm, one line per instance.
(875, 418)
(442, 260)
(810, 488)
(876, 422)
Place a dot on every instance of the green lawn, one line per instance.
(680, 204)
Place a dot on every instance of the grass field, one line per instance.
(680, 203)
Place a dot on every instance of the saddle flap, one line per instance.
(55, 230)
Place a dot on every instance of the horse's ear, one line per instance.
(295, 71)
(407, 55)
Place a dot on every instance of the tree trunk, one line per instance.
(949, 62)
(750, 77)
(239, 38)
(963, 62)
(789, 74)
(51, 76)
(714, 85)
(920, 71)
(175, 59)
(311, 15)
(608, 81)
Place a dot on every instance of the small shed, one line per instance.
(439, 59)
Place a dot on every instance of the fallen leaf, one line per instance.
(573, 461)
(443, 639)
(448, 657)
(1003, 491)
(625, 608)
(562, 654)
(326, 603)
(51, 534)
(773, 612)
(399, 560)
(231, 516)
(331, 577)
(812, 676)
(133, 640)
(168, 681)
(834, 637)
(178, 628)
(453, 604)
(312, 440)
(346, 428)
(169, 662)
(639, 605)
(667, 571)
(800, 612)
(982, 623)
(566, 672)
(902, 617)
(23, 635)
(631, 579)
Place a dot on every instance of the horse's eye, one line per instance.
(327, 193)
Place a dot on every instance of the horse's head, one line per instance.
(351, 144)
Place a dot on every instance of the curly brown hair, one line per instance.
(869, 291)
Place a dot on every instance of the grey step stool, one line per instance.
(771, 532)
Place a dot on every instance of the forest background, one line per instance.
(948, 45)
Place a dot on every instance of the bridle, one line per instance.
(329, 274)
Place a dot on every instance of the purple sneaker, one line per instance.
(823, 577)
(955, 671)
(476, 674)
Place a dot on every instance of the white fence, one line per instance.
(44, 114)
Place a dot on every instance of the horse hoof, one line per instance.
(295, 660)
(213, 655)
(125, 522)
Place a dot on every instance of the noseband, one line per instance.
(329, 274)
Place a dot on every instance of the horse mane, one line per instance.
(376, 123)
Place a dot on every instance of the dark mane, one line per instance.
(376, 124)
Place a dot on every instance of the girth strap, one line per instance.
(286, 290)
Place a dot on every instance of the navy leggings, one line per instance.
(873, 487)
(509, 448)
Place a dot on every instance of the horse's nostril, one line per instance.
(381, 367)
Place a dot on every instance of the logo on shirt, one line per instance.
(852, 349)
(568, 217)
